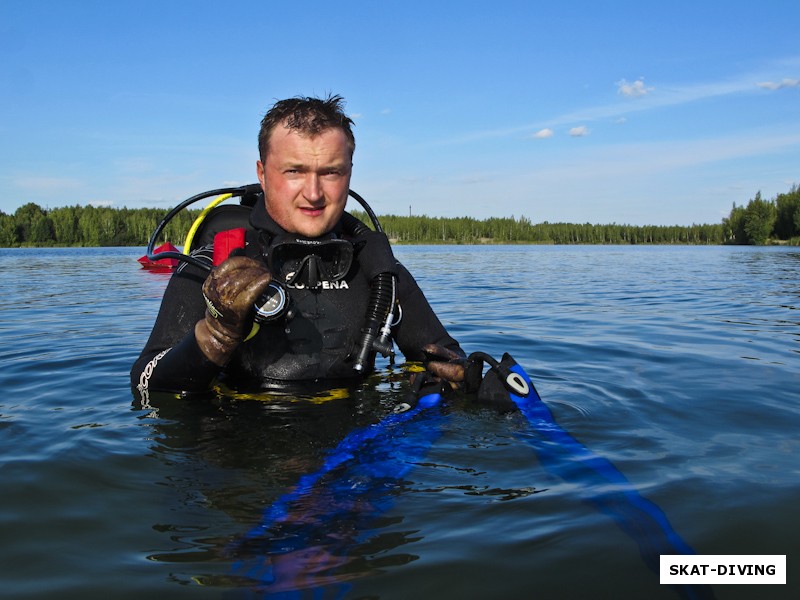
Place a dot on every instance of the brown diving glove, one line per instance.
(445, 364)
(230, 291)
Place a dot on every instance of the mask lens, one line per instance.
(309, 261)
(335, 258)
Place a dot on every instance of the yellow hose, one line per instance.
(187, 245)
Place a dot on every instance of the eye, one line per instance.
(333, 173)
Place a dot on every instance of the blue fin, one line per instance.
(509, 387)
(329, 511)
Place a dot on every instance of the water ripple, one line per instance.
(679, 365)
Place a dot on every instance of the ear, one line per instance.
(260, 173)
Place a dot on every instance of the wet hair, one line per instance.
(308, 116)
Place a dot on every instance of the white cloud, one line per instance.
(668, 95)
(543, 134)
(666, 181)
(777, 85)
(630, 160)
(579, 131)
(633, 90)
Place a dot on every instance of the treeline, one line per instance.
(465, 230)
(31, 225)
(764, 220)
(760, 222)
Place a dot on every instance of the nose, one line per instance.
(312, 189)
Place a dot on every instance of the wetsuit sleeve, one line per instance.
(419, 325)
(171, 360)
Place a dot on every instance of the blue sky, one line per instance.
(627, 112)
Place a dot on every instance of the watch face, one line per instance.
(271, 303)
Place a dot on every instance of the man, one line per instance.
(204, 331)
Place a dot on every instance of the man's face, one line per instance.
(306, 180)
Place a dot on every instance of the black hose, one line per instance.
(372, 216)
(381, 301)
(238, 191)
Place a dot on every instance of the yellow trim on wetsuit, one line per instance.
(273, 396)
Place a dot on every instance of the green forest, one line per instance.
(759, 222)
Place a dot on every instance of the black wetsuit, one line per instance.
(318, 343)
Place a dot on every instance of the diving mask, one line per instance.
(303, 262)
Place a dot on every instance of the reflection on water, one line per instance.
(678, 365)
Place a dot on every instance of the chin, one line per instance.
(313, 230)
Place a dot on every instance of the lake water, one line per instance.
(680, 365)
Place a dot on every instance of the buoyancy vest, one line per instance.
(320, 340)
